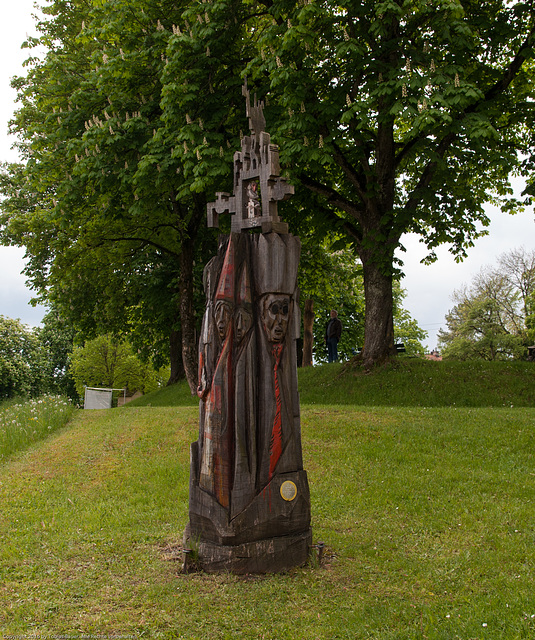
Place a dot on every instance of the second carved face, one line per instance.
(223, 316)
(243, 322)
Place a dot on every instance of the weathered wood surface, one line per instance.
(249, 445)
(270, 555)
(249, 498)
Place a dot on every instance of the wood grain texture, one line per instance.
(249, 434)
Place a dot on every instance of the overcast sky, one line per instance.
(429, 288)
(15, 22)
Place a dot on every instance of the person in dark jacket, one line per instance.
(332, 336)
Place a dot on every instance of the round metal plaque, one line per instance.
(288, 490)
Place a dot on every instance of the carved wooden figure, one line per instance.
(249, 506)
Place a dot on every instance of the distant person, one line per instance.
(333, 332)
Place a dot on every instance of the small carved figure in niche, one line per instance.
(253, 200)
(275, 316)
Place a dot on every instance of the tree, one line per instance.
(475, 331)
(110, 364)
(402, 116)
(392, 117)
(517, 268)
(56, 337)
(331, 277)
(22, 361)
(122, 134)
(491, 318)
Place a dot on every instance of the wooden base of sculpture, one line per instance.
(271, 534)
(270, 555)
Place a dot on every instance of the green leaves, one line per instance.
(112, 364)
(22, 361)
(123, 135)
(396, 116)
(491, 317)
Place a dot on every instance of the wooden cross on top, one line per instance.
(257, 182)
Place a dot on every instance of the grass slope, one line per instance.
(408, 382)
(427, 514)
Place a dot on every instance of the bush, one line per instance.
(22, 360)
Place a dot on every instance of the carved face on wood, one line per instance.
(243, 322)
(223, 316)
(275, 316)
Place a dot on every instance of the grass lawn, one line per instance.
(427, 513)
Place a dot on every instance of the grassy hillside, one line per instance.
(426, 512)
(408, 382)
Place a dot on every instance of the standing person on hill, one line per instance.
(333, 332)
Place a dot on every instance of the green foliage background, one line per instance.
(391, 117)
(23, 361)
(492, 317)
(106, 362)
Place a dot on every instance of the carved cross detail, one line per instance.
(258, 185)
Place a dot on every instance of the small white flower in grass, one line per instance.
(484, 624)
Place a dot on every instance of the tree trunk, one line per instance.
(175, 357)
(187, 316)
(379, 322)
(308, 335)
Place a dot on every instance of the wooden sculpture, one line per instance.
(249, 508)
